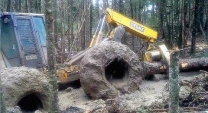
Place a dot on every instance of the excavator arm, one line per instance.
(131, 26)
(115, 19)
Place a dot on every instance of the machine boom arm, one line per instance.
(135, 28)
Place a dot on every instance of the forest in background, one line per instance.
(76, 20)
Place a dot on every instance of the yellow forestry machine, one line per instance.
(120, 25)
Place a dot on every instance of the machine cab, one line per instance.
(23, 40)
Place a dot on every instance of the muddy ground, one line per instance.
(152, 93)
(149, 93)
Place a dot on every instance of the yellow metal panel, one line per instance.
(62, 75)
(131, 26)
(147, 57)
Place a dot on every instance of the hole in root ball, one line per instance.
(30, 103)
(116, 70)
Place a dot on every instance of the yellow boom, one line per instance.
(131, 26)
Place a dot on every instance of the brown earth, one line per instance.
(153, 95)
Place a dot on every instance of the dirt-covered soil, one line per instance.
(151, 91)
(152, 95)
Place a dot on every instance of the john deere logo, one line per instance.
(136, 26)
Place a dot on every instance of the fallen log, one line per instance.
(185, 65)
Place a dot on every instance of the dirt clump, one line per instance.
(150, 92)
(73, 110)
(196, 92)
(153, 96)
(108, 69)
(15, 109)
(78, 101)
(26, 88)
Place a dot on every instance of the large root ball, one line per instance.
(25, 87)
(110, 68)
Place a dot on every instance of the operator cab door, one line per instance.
(28, 44)
(9, 45)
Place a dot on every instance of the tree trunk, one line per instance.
(161, 18)
(201, 6)
(31, 6)
(121, 10)
(182, 36)
(16, 4)
(82, 21)
(168, 35)
(55, 24)
(114, 4)
(206, 23)
(87, 23)
(51, 49)
(62, 44)
(132, 16)
(105, 4)
(91, 20)
(97, 11)
(193, 64)
(8, 5)
(26, 6)
(70, 23)
(20, 6)
(42, 6)
(174, 83)
(195, 24)
(121, 6)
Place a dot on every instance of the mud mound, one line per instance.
(15, 109)
(196, 92)
(110, 68)
(73, 110)
(193, 95)
(25, 87)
